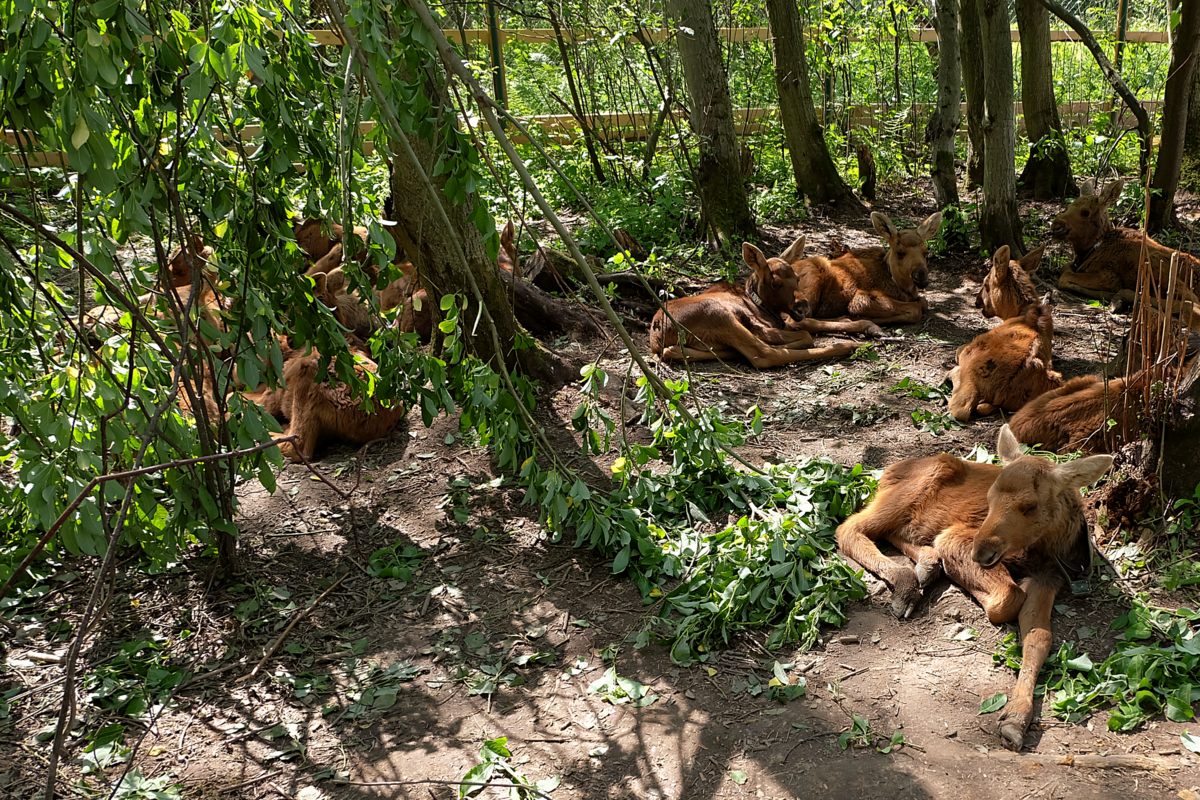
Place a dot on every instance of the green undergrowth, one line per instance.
(1153, 668)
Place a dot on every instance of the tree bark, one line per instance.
(971, 49)
(428, 244)
(943, 123)
(1189, 174)
(1184, 52)
(718, 171)
(999, 222)
(1047, 173)
(817, 177)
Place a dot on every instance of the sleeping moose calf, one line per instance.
(1005, 534)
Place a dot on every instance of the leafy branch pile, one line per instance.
(1153, 670)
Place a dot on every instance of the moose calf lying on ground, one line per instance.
(1106, 257)
(1010, 364)
(1076, 415)
(989, 527)
(875, 283)
(725, 321)
(320, 412)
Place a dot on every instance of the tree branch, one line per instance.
(1145, 132)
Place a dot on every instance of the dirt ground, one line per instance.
(502, 589)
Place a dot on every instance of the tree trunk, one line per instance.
(1184, 52)
(943, 123)
(971, 48)
(718, 173)
(817, 177)
(1181, 445)
(429, 245)
(1189, 174)
(1047, 173)
(999, 223)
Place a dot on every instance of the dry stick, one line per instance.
(501, 784)
(279, 640)
(83, 495)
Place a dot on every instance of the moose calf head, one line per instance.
(775, 281)
(908, 255)
(1008, 286)
(1086, 219)
(1034, 503)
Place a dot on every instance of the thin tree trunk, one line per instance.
(943, 123)
(1189, 174)
(587, 129)
(428, 244)
(1047, 173)
(1145, 129)
(718, 171)
(971, 48)
(1184, 52)
(999, 222)
(817, 177)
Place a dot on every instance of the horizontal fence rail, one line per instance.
(565, 128)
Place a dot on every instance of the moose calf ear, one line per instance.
(1007, 446)
(884, 225)
(1033, 260)
(753, 257)
(1000, 260)
(929, 227)
(1112, 192)
(1078, 474)
(795, 252)
(1087, 188)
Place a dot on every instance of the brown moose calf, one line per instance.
(1106, 257)
(876, 283)
(1010, 364)
(725, 321)
(1076, 415)
(317, 412)
(999, 532)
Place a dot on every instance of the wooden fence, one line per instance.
(564, 128)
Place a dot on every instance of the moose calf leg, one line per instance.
(928, 562)
(1036, 640)
(857, 538)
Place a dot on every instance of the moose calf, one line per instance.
(1010, 364)
(876, 283)
(1107, 257)
(1005, 534)
(725, 321)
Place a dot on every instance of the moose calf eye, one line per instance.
(1086, 213)
(1029, 508)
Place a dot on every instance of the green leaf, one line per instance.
(738, 776)
(993, 703)
(621, 561)
(1083, 663)
(1190, 742)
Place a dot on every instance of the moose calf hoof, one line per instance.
(928, 572)
(906, 594)
(288, 451)
(1013, 736)
(873, 330)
